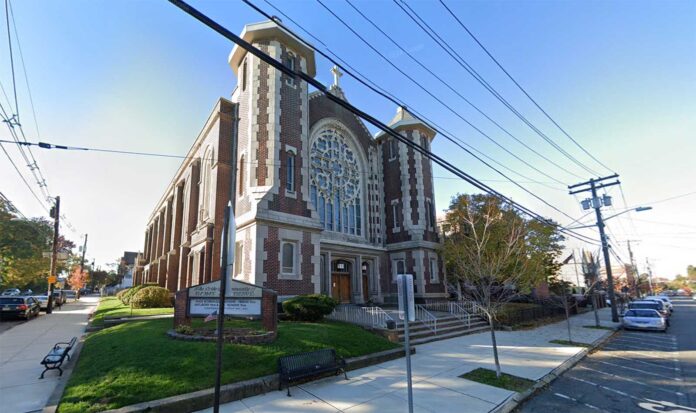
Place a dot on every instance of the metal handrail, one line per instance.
(426, 317)
(460, 312)
(373, 317)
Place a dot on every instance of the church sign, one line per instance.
(242, 299)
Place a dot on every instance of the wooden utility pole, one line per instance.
(55, 214)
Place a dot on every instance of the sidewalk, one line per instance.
(436, 367)
(23, 347)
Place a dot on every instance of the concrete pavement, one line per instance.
(436, 369)
(23, 347)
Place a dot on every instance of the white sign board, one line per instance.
(233, 306)
(236, 289)
(404, 284)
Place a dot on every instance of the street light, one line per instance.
(638, 209)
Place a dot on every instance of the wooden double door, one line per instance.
(340, 289)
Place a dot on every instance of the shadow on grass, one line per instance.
(505, 381)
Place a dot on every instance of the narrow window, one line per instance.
(398, 267)
(240, 176)
(288, 258)
(395, 215)
(238, 258)
(290, 64)
(290, 178)
(393, 149)
(244, 75)
(433, 270)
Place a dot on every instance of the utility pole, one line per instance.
(55, 214)
(647, 262)
(82, 264)
(635, 268)
(596, 203)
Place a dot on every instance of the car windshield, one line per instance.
(642, 313)
(654, 306)
(7, 300)
(42, 297)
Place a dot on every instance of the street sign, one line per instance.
(52, 279)
(242, 299)
(404, 284)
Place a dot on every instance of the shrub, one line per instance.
(184, 329)
(310, 307)
(128, 295)
(121, 293)
(151, 297)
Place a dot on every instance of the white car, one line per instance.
(644, 319)
(663, 298)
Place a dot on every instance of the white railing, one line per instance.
(471, 307)
(373, 317)
(426, 317)
(452, 308)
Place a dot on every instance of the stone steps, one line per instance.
(447, 327)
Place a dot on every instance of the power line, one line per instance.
(23, 178)
(521, 88)
(446, 84)
(469, 69)
(365, 81)
(9, 43)
(431, 94)
(370, 119)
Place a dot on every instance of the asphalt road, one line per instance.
(635, 371)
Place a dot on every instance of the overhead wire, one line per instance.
(294, 73)
(519, 86)
(420, 22)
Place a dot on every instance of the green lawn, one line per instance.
(506, 381)
(113, 307)
(136, 361)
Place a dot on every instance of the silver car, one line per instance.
(43, 301)
(644, 319)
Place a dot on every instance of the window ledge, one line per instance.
(291, 194)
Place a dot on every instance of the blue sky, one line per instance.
(620, 76)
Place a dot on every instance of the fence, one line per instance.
(517, 316)
(373, 317)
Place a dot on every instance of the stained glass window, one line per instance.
(335, 183)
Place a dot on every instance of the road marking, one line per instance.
(652, 386)
(563, 396)
(603, 387)
(639, 370)
(641, 352)
(673, 348)
(649, 336)
(637, 361)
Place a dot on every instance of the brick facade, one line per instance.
(379, 215)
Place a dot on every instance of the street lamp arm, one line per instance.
(639, 209)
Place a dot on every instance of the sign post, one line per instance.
(407, 312)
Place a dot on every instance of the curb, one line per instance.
(203, 399)
(518, 398)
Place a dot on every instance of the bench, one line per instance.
(309, 364)
(54, 359)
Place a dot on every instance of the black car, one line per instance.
(16, 306)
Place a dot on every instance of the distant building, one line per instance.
(126, 268)
(321, 205)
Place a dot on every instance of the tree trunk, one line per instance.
(567, 312)
(495, 347)
(594, 308)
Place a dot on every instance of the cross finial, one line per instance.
(337, 75)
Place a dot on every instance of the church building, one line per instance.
(322, 206)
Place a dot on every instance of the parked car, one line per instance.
(11, 291)
(644, 319)
(58, 297)
(693, 297)
(19, 306)
(657, 305)
(70, 294)
(43, 301)
(662, 298)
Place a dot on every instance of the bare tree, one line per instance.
(487, 251)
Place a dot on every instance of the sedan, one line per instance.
(644, 319)
(43, 301)
(24, 307)
(657, 305)
(662, 298)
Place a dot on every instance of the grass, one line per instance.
(506, 381)
(598, 327)
(137, 362)
(570, 343)
(113, 307)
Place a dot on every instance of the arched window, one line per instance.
(206, 192)
(336, 182)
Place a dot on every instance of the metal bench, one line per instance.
(54, 359)
(309, 364)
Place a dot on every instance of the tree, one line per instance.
(493, 253)
(77, 279)
(691, 273)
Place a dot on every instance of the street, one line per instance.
(633, 372)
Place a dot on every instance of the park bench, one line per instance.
(54, 359)
(309, 364)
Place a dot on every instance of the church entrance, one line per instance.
(340, 281)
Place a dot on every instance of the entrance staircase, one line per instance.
(434, 321)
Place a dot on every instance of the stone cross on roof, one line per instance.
(337, 76)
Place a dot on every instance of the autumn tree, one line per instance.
(77, 279)
(494, 253)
